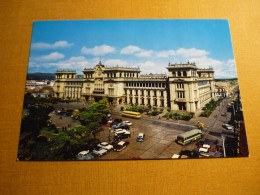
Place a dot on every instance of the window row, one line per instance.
(180, 85)
(181, 94)
(137, 84)
(122, 74)
(154, 93)
(142, 102)
(73, 83)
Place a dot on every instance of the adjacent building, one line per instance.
(186, 88)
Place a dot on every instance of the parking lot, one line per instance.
(160, 134)
(159, 141)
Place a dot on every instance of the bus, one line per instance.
(131, 114)
(188, 137)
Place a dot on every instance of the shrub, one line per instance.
(209, 107)
(177, 116)
(136, 109)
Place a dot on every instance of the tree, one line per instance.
(66, 145)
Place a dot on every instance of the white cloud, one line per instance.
(137, 51)
(191, 52)
(58, 44)
(145, 53)
(50, 57)
(98, 50)
(130, 49)
(165, 54)
(75, 63)
(147, 64)
(115, 62)
(205, 62)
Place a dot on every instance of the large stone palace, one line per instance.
(186, 88)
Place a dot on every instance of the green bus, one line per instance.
(189, 136)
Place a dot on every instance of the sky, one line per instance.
(147, 44)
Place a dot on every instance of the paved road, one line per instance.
(160, 134)
(159, 142)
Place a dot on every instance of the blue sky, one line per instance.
(147, 44)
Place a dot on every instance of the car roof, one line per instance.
(121, 143)
(84, 152)
(141, 134)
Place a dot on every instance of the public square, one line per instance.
(160, 133)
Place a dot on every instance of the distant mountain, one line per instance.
(44, 76)
(40, 76)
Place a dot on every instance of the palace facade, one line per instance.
(186, 88)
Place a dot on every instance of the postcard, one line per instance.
(131, 90)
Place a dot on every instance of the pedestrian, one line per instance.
(159, 117)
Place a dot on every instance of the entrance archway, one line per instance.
(97, 99)
(110, 101)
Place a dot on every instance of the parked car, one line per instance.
(120, 131)
(122, 126)
(140, 137)
(228, 126)
(122, 136)
(99, 151)
(200, 143)
(127, 122)
(84, 155)
(206, 146)
(176, 156)
(120, 145)
(108, 124)
(105, 146)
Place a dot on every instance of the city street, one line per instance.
(160, 134)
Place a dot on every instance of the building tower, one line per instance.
(64, 78)
(183, 87)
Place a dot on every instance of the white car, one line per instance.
(176, 156)
(206, 146)
(105, 146)
(127, 122)
(99, 151)
(203, 150)
(118, 131)
(228, 126)
(122, 131)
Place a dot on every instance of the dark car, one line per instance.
(121, 136)
(200, 143)
(190, 154)
(118, 146)
(122, 126)
(116, 121)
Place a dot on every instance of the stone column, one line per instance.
(165, 98)
(139, 97)
(158, 99)
(145, 97)
(127, 95)
(151, 99)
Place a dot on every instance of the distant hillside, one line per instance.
(40, 76)
(44, 76)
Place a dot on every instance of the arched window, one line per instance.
(184, 73)
(179, 74)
